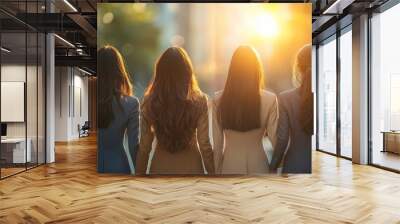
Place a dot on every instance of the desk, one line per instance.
(391, 141)
(13, 150)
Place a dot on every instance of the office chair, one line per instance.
(84, 130)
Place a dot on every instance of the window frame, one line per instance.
(381, 9)
(334, 37)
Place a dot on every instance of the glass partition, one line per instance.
(327, 96)
(22, 91)
(385, 89)
(314, 90)
(13, 105)
(41, 96)
(346, 93)
(31, 99)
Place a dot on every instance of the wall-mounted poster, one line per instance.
(204, 89)
(12, 101)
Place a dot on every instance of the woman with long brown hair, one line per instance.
(243, 113)
(118, 116)
(295, 126)
(175, 113)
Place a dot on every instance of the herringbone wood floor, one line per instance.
(70, 191)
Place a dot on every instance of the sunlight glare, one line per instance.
(265, 25)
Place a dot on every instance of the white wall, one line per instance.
(81, 104)
(12, 73)
(62, 81)
(71, 94)
(16, 73)
(13, 100)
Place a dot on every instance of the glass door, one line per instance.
(13, 104)
(326, 104)
(22, 77)
(385, 89)
(345, 42)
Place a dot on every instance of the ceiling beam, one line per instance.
(83, 23)
(337, 7)
(77, 61)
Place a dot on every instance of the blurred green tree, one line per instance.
(131, 28)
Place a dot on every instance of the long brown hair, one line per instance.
(240, 103)
(113, 82)
(302, 79)
(171, 103)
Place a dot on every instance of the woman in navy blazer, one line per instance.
(118, 114)
(295, 125)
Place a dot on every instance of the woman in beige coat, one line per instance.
(243, 113)
(175, 112)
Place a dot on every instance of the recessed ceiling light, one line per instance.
(5, 50)
(70, 5)
(65, 41)
(84, 71)
(337, 7)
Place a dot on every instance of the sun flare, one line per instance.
(265, 25)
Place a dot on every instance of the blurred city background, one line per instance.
(210, 33)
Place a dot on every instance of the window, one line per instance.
(385, 89)
(346, 93)
(327, 96)
(314, 90)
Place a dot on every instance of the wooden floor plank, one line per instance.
(71, 191)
